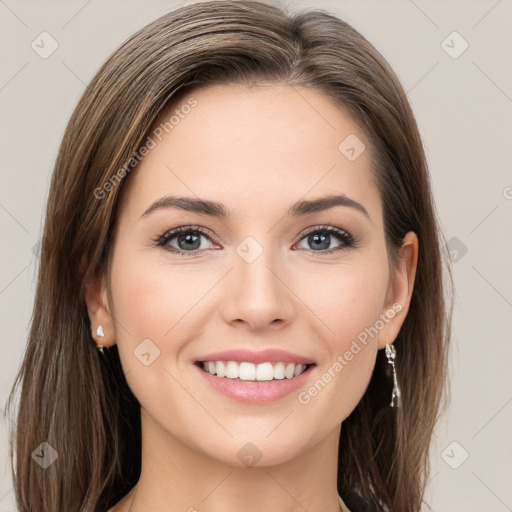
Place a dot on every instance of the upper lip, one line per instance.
(268, 355)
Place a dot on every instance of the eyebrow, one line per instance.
(218, 210)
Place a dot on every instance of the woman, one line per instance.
(294, 356)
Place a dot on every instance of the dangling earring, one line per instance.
(99, 334)
(391, 355)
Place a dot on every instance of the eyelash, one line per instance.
(348, 241)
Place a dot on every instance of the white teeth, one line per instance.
(247, 371)
(279, 371)
(232, 370)
(219, 368)
(264, 371)
(251, 371)
(288, 372)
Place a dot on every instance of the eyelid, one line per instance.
(171, 233)
(325, 227)
(352, 242)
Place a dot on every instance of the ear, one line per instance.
(400, 288)
(99, 311)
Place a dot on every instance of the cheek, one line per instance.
(153, 300)
(154, 321)
(347, 299)
(349, 304)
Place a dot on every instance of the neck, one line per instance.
(176, 477)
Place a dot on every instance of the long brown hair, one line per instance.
(75, 398)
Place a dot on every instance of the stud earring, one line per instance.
(391, 355)
(99, 333)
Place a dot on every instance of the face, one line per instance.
(311, 282)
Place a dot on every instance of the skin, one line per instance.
(258, 151)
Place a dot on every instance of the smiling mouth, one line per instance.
(252, 372)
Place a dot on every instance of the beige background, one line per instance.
(463, 106)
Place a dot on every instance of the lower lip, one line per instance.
(255, 392)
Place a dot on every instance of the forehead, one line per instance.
(253, 148)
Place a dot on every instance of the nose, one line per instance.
(257, 294)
